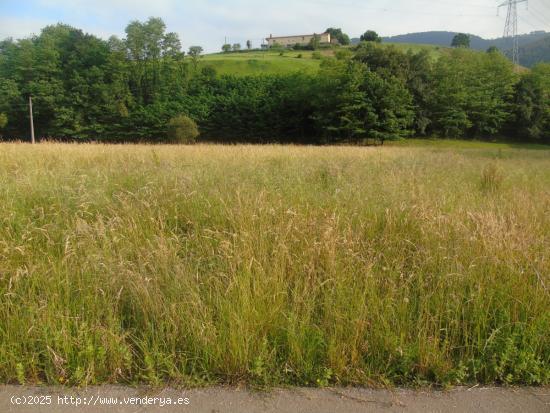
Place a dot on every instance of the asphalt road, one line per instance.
(118, 399)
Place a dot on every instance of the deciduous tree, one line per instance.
(461, 40)
(340, 36)
(370, 36)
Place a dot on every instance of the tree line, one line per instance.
(135, 89)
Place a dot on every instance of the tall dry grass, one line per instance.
(274, 265)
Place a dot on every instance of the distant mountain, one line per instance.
(435, 38)
(535, 52)
(534, 47)
(479, 43)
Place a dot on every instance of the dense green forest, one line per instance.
(130, 89)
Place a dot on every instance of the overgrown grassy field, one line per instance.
(274, 265)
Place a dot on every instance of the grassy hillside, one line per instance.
(534, 47)
(274, 265)
(434, 51)
(258, 62)
(242, 64)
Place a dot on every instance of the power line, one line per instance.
(542, 11)
(528, 22)
(545, 6)
(544, 23)
(358, 4)
(449, 3)
(407, 12)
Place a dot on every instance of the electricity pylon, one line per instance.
(511, 26)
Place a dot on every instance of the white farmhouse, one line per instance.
(302, 40)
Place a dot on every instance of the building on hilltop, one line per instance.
(302, 40)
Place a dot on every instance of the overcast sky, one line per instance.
(209, 22)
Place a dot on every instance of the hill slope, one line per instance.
(443, 38)
(439, 38)
(273, 62)
(251, 63)
(535, 52)
(534, 46)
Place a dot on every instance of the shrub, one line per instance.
(316, 55)
(182, 129)
(3, 120)
(343, 54)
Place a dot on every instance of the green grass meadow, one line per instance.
(412, 264)
(273, 62)
(257, 63)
